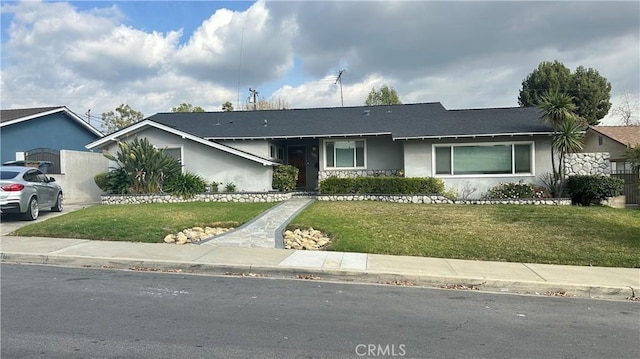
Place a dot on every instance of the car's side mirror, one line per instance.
(51, 179)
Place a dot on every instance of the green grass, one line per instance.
(143, 222)
(571, 235)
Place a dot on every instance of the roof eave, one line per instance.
(508, 134)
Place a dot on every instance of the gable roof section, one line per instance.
(410, 121)
(139, 126)
(13, 116)
(625, 135)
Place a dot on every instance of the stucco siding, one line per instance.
(384, 153)
(56, 131)
(418, 162)
(592, 144)
(212, 164)
(255, 147)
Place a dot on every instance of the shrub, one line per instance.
(213, 187)
(382, 185)
(146, 167)
(230, 187)
(118, 181)
(101, 181)
(284, 178)
(587, 190)
(516, 191)
(185, 185)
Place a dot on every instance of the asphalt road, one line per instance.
(54, 312)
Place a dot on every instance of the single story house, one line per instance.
(615, 140)
(38, 134)
(474, 147)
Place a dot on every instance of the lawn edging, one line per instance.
(254, 197)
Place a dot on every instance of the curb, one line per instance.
(335, 275)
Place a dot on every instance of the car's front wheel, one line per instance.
(58, 206)
(32, 210)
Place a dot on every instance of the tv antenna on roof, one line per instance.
(254, 94)
(339, 79)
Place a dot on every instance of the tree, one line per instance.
(123, 116)
(227, 106)
(590, 91)
(558, 109)
(385, 96)
(187, 107)
(270, 104)
(628, 110)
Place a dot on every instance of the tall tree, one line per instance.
(590, 91)
(123, 116)
(227, 106)
(628, 110)
(385, 96)
(558, 109)
(187, 107)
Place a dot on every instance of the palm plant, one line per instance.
(146, 167)
(558, 109)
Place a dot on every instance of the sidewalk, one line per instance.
(592, 282)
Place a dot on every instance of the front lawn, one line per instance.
(143, 222)
(598, 236)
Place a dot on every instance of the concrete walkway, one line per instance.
(264, 231)
(252, 250)
(525, 278)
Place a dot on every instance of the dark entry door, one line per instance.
(297, 157)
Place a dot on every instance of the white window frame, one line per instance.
(276, 152)
(174, 147)
(487, 144)
(324, 152)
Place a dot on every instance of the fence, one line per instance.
(630, 185)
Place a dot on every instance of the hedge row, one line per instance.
(586, 190)
(382, 185)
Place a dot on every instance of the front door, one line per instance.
(297, 157)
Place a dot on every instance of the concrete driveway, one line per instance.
(11, 222)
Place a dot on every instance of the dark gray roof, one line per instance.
(400, 121)
(9, 115)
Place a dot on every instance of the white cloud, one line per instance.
(463, 54)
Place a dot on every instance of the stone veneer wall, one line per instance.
(438, 199)
(358, 173)
(596, 163)
(249, 197)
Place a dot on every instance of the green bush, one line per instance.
(146, 167)
(285, 178)
(382, 185)
(118, 181)
(185, 185)
(230, 187)
(101, 181)
(516, 191)
(213, 187)
(587, 190)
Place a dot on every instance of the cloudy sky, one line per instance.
(154, 55)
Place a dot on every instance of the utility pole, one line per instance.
(339, 79)
(254, 94)
(88, 116)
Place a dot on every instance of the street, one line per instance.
(55, 312)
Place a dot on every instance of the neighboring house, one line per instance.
(615, 140)
(38, 134)
(477, 147)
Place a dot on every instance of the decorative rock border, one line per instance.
(195, 234)
(308, 239)
(253, 197)
(247, 197)
(438, 199)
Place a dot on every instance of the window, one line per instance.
(345, 154)
(276, 152)
(175, 152)
(600, 140)
(485, 159)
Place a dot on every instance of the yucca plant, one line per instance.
(146, 167)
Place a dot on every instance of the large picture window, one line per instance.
(483, 159)
(344, 154)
